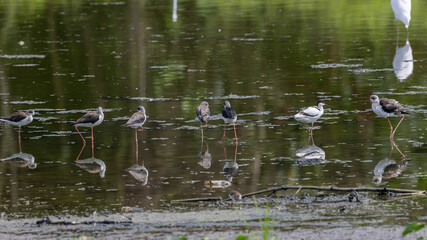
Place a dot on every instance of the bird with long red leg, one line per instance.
(229, 116)
(19, 119)
(136, 121)
(387, 108)
(90, 119)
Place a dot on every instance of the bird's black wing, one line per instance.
(229, 112)
(16, 117)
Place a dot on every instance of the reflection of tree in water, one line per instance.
(21, 160)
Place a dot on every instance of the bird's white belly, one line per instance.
(230, 120)
(380, 112)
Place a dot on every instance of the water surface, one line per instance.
(269, 59)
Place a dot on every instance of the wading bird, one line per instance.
(386, 108)
(402, 11)
(229, 116)
(19, 119)
(90, 119)
(203, 113)
(310, 114)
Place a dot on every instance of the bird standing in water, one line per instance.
(90, 119)
(136, 121)
(229, 116)
(310, 114)
(203, 113)
(19, 119)
(386, 108)
(402, 11)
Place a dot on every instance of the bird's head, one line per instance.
(30, 112)
(227, 104)
(141, 109)
(374, 99)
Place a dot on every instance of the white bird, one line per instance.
(402, 11)
(403, 62)
(310, 114)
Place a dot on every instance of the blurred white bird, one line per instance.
(402, 11)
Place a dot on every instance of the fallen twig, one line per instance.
(339, 189)
(211, 199)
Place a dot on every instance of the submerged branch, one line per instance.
(339, 189)
(211, 199)
(271, 191)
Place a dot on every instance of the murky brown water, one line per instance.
(269, 59)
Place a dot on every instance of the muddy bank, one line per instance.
(302, 217)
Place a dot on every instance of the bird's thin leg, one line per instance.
(403, 155)
(93, 152)
(235, 133)
(391, 130)
(403, 117)
(397, 29)
(225, 151)
(235, 152)
(407, 34)
(201, 129)
(136, 145)
(84, 143)
(19, 137)
(223, 136)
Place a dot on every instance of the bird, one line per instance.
(93, 165)
(229, 116)
(90, 119)
(203, 113)
(139, 172)
(386, 108)
(136, 121)
(310, 114)
(234, 195)
(19, 119)
(402, 11)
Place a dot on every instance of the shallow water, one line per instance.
(269, 59)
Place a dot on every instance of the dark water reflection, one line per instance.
(268, 59)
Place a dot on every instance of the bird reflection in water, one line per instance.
(205, 158)
(403, 62)
(388, 168)
(310, 154)
(21, 160)
(230, 168)
(137, 171)
(92, 165)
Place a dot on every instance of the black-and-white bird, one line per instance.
(386, 108)
(136, 121)
(19, 119)
(229, 116)
(203, 113)
(310, 114)
(90, 119)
